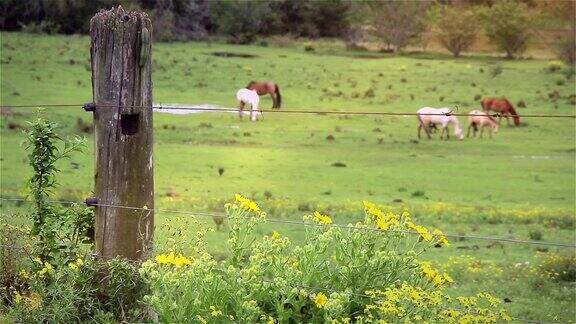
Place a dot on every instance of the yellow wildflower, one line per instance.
(504, 315)
(322, 219)
(247, 203)
(494, 301)
(384, 222)
(17, 297)
(392, 294)
(320, 300)
(171, 258)
(46, 269)
(24, 274)
(423, 231)
(441, 237)
(215, 312)
(201, 319)
(275, 235)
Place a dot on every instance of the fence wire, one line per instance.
(312, 224)
(292, 111)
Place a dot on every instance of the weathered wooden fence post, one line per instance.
(120, 52)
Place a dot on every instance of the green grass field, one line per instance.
(520, 182)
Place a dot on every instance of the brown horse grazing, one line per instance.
(265, 87)
(503, 107)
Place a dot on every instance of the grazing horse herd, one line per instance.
(428, 118)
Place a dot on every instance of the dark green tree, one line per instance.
(241, 20)
(507, 24)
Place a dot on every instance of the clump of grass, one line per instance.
(477, 97)
(304, 207)
(535, 235)
(419, 193)
(369, 93)
(330, 138)
(554, 95)
(521, 103)
(339, 164)
(82, 126)
(558, 267)
(496, 70)
(13, 126)
(555, 66)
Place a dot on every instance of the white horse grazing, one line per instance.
(246, 96)
(481, 119)
(438, 116)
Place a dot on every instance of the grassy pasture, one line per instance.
(520, 183)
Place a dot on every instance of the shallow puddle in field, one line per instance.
(542, 157)
(184, 109)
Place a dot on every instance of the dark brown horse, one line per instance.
(267, 87)
(503, 107)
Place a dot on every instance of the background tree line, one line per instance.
(509, 24)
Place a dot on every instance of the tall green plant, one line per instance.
(59, 230)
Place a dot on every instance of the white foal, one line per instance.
(250, 97)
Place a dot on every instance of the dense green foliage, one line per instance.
(507, 23)
(457, 28)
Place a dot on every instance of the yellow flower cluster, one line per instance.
(47, 269)
(423, 231)
(470, 264)
(320, 299)
(267, 319)
(433, 275)
(394, 302)
(214, 311)
(171, 258)
(275, 235)
(31, 301)
(557, 267)
(76, 264)
(440, 237)
(322, 219)
(247, 203)
(382, 220)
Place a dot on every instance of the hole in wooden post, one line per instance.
(129, 123)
